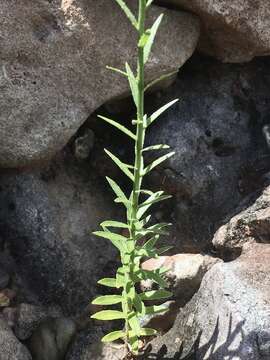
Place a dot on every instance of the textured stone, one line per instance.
(221, 154)
(53, 76)
(10, 347)
(250, 225)
(229, 317)
(47, 219)
(232, 30)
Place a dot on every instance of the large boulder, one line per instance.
(47, 218)
(232, 30)
(10, 347)
(250, 225)
(221, 155)
(229, 317)
(53, 75)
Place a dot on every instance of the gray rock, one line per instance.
(51, 339)
(233, 31)
(221, 154)
(229, 317)
(47, 219)
(53, 76)
(29, 317)
(10, 347)
(4, 279)
(249, 226)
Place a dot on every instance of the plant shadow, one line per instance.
(209, 350)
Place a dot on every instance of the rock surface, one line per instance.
(185, 273)
(249, 226)
(53, 76)
(221, 153)
(229, 317)
(10, 347)
(232, 30)
(47, 219)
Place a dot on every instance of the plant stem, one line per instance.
(140, 135)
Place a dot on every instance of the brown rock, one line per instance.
(53, 76)
(232, 30)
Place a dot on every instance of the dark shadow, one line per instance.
(197, 352)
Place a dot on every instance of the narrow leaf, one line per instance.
(148, 332)
(156, 147)
(157, 113)
(115, 224)
(155, 309)
(109, 282)
(107, 300)
(112, 336)
(134, 323)
(155, 295)
(161, 78)
(153, 32)
(133, 84)
(117, 190)
(117, 240)
(119, 127)
(117, 70)
(157, 162)
(128, 13)
(122, 166)
(149, 2)
(108, 315)
(164, 249)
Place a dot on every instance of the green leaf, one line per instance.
(117, 190)
(119, 127)
(109, 282)
(108, 315)
(157, 113)
(157, 162)
(155, 309)
(117, 70)
(128, 13)
(155, 295)
(120, 164)
(119, 241)
(107, 300)
(154, 198)
(134, 342)
(156, 147)
(120, 278)
(149, 2)
(153, 32)
(164, 249)
(148, 332)
(133, 84)
(114, 335)
(134, 323)
(115, 224)
(161, 78)
(151, 242)
(153, 275)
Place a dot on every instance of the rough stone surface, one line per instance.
(232, 30)
(51, 339)
(250, 225)
(53, 76)
(28, 317)
(10, 347)
(47, 219)
(4, 279)
(229, 317)
(216, 131)
(185, 273)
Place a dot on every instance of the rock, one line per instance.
(220, 151)
(84, 144)
(28, 318)
(249, 226)
(229, 317)
(185, 273)
(4, 279)
(53, 75)
(233, 31)
(11, 348)
(51, 339)
(47, 219)
(10, 315)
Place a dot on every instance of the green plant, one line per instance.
(142, 239)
